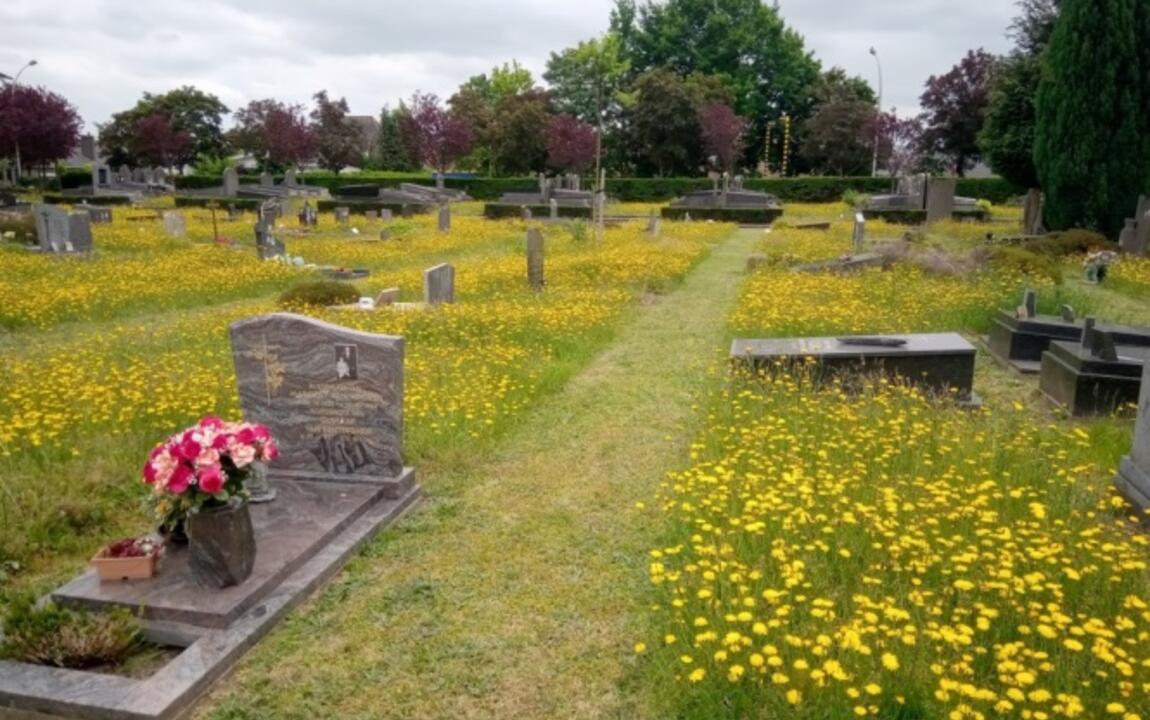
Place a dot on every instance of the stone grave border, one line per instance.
(35, 692)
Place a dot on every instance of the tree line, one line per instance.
(683, 87)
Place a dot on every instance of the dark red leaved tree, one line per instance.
(570, 144)
(44, 125)
(434, 136)
(156, 142)
(722, 132)
(954, 109)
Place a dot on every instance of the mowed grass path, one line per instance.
(517, 589)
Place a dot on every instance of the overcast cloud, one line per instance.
(103, 54)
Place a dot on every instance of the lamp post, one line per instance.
(878, 115)
(13, 81)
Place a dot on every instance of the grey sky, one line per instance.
(103, 54)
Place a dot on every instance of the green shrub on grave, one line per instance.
(61, 637)
(319, 293)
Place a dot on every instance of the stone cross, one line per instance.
(535, 251)
(444, 218)
(332, 398)
(231, 185)
(175, 224)
(859, 236)
(439, 284)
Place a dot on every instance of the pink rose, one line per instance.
(211, 421)
(211, 480)
(208, 457)
(245, 435)
(242, 455)
(181, 478)
(187, 448)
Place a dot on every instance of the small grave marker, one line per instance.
(535, 252)
(439, 284)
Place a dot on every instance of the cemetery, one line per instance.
(680, 379)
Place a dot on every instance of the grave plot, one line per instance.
(332, 400)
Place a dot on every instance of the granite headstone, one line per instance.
(332, 397)
(535, 252)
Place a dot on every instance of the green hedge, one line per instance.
(73, 178)
(742, 216)
(359, 207)
(497, 211)
(794, 189)
(918, 217)
(58, 199)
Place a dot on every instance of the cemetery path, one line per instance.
(517, 590)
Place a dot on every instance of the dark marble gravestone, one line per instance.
(942, 363)
(332, 398)
(1088, 380)
(1019, 342)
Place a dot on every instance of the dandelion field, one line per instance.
(83, 401)
(812, 552)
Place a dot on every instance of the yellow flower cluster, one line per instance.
(834, 555)
(1132, 271)
(103, 392)
(903, 299)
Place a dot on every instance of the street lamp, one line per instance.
(13, 81)
(878, 114)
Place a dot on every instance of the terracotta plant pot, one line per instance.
(221, 545)
(124, 568)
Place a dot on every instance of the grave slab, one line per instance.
(940, 362)
(305, 516)
(1020, 342)
(1086, 385)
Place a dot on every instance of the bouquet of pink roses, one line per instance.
(205, 465)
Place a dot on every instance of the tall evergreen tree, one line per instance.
(1090, 140)
(392, 152)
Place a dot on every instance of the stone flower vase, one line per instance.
(222, 544)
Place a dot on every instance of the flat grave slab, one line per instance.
(1073, 377)
(305, 516)
(34, 691)
(940, 362)
(1020, 342)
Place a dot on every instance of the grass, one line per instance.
(597, 483)
(525, 560)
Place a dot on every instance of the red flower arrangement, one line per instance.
(205, 465)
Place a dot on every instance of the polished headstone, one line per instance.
(332, 397)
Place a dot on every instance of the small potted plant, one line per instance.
(199, 481)
(128, 559)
